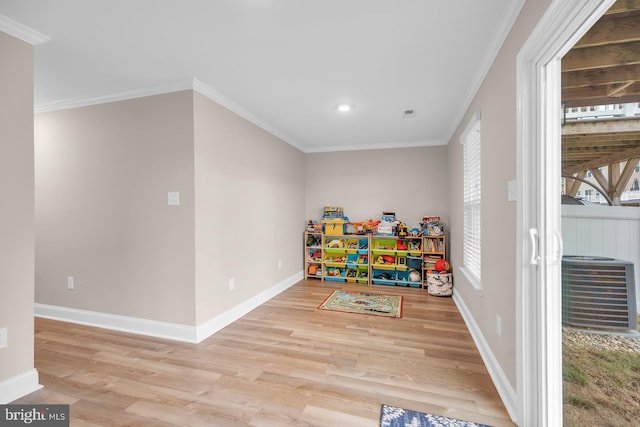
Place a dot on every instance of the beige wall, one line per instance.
(496, 101)
(16, 209)
(102, 177)
(412, 182)
(249, 188)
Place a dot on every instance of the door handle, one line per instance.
(533, 237)
(558, 248)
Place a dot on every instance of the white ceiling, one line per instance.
(283, 64)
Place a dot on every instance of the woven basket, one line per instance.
(440, 285)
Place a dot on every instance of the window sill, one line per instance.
(477, 286)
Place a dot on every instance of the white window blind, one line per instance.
(472, 200)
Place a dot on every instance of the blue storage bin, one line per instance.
(384, 277)
(352, 260)
(414, 262)
(363, 246)
(403, 278)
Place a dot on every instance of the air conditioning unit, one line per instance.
(598, 293)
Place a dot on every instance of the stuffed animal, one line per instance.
(414, 276)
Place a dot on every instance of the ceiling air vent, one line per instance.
(598, 293)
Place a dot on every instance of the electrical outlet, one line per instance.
(4, 340)
(232, 284)
(498, 325)
(279, 264)
(70, 284)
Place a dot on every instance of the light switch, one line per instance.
(173, 198)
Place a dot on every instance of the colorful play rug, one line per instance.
(363, 303)
(390, 416)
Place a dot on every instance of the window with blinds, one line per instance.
(471, 258)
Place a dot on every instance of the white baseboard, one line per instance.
(154, 328)
(500, 380)
(211, 326)
(116, 322)
(19, 386)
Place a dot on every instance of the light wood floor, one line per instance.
(285, 363)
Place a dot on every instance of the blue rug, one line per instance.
(390, 416)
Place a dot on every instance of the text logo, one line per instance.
(34, 415)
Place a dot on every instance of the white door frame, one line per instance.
(539, 245)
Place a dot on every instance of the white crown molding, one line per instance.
(208, 92)
(121, 96)
(192, 84)
(19, 386)
(499, 378)
(380, 146)
(492, 52)
(22, 32)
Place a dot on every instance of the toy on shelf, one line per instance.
(313, 240)
(334, 272)
(314, 256)
(385, 260)
(431, 226)
(402, 230)
(332, 212)
(442, 266)
(336, 244)
(363, 227)
(314, 226)
(415, 232)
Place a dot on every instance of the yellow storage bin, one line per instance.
(334, 227)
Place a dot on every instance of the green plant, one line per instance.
(574, 374)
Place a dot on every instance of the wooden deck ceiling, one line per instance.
(603, 68)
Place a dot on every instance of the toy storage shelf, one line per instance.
(313, 267)
(345, 258)
(372, 259)
(396, 261)
(434, 248)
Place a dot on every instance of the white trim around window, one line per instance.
(472, 203)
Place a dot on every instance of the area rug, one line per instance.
(363, 303)
(390, 416)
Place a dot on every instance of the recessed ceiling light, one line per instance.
(343, 108)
